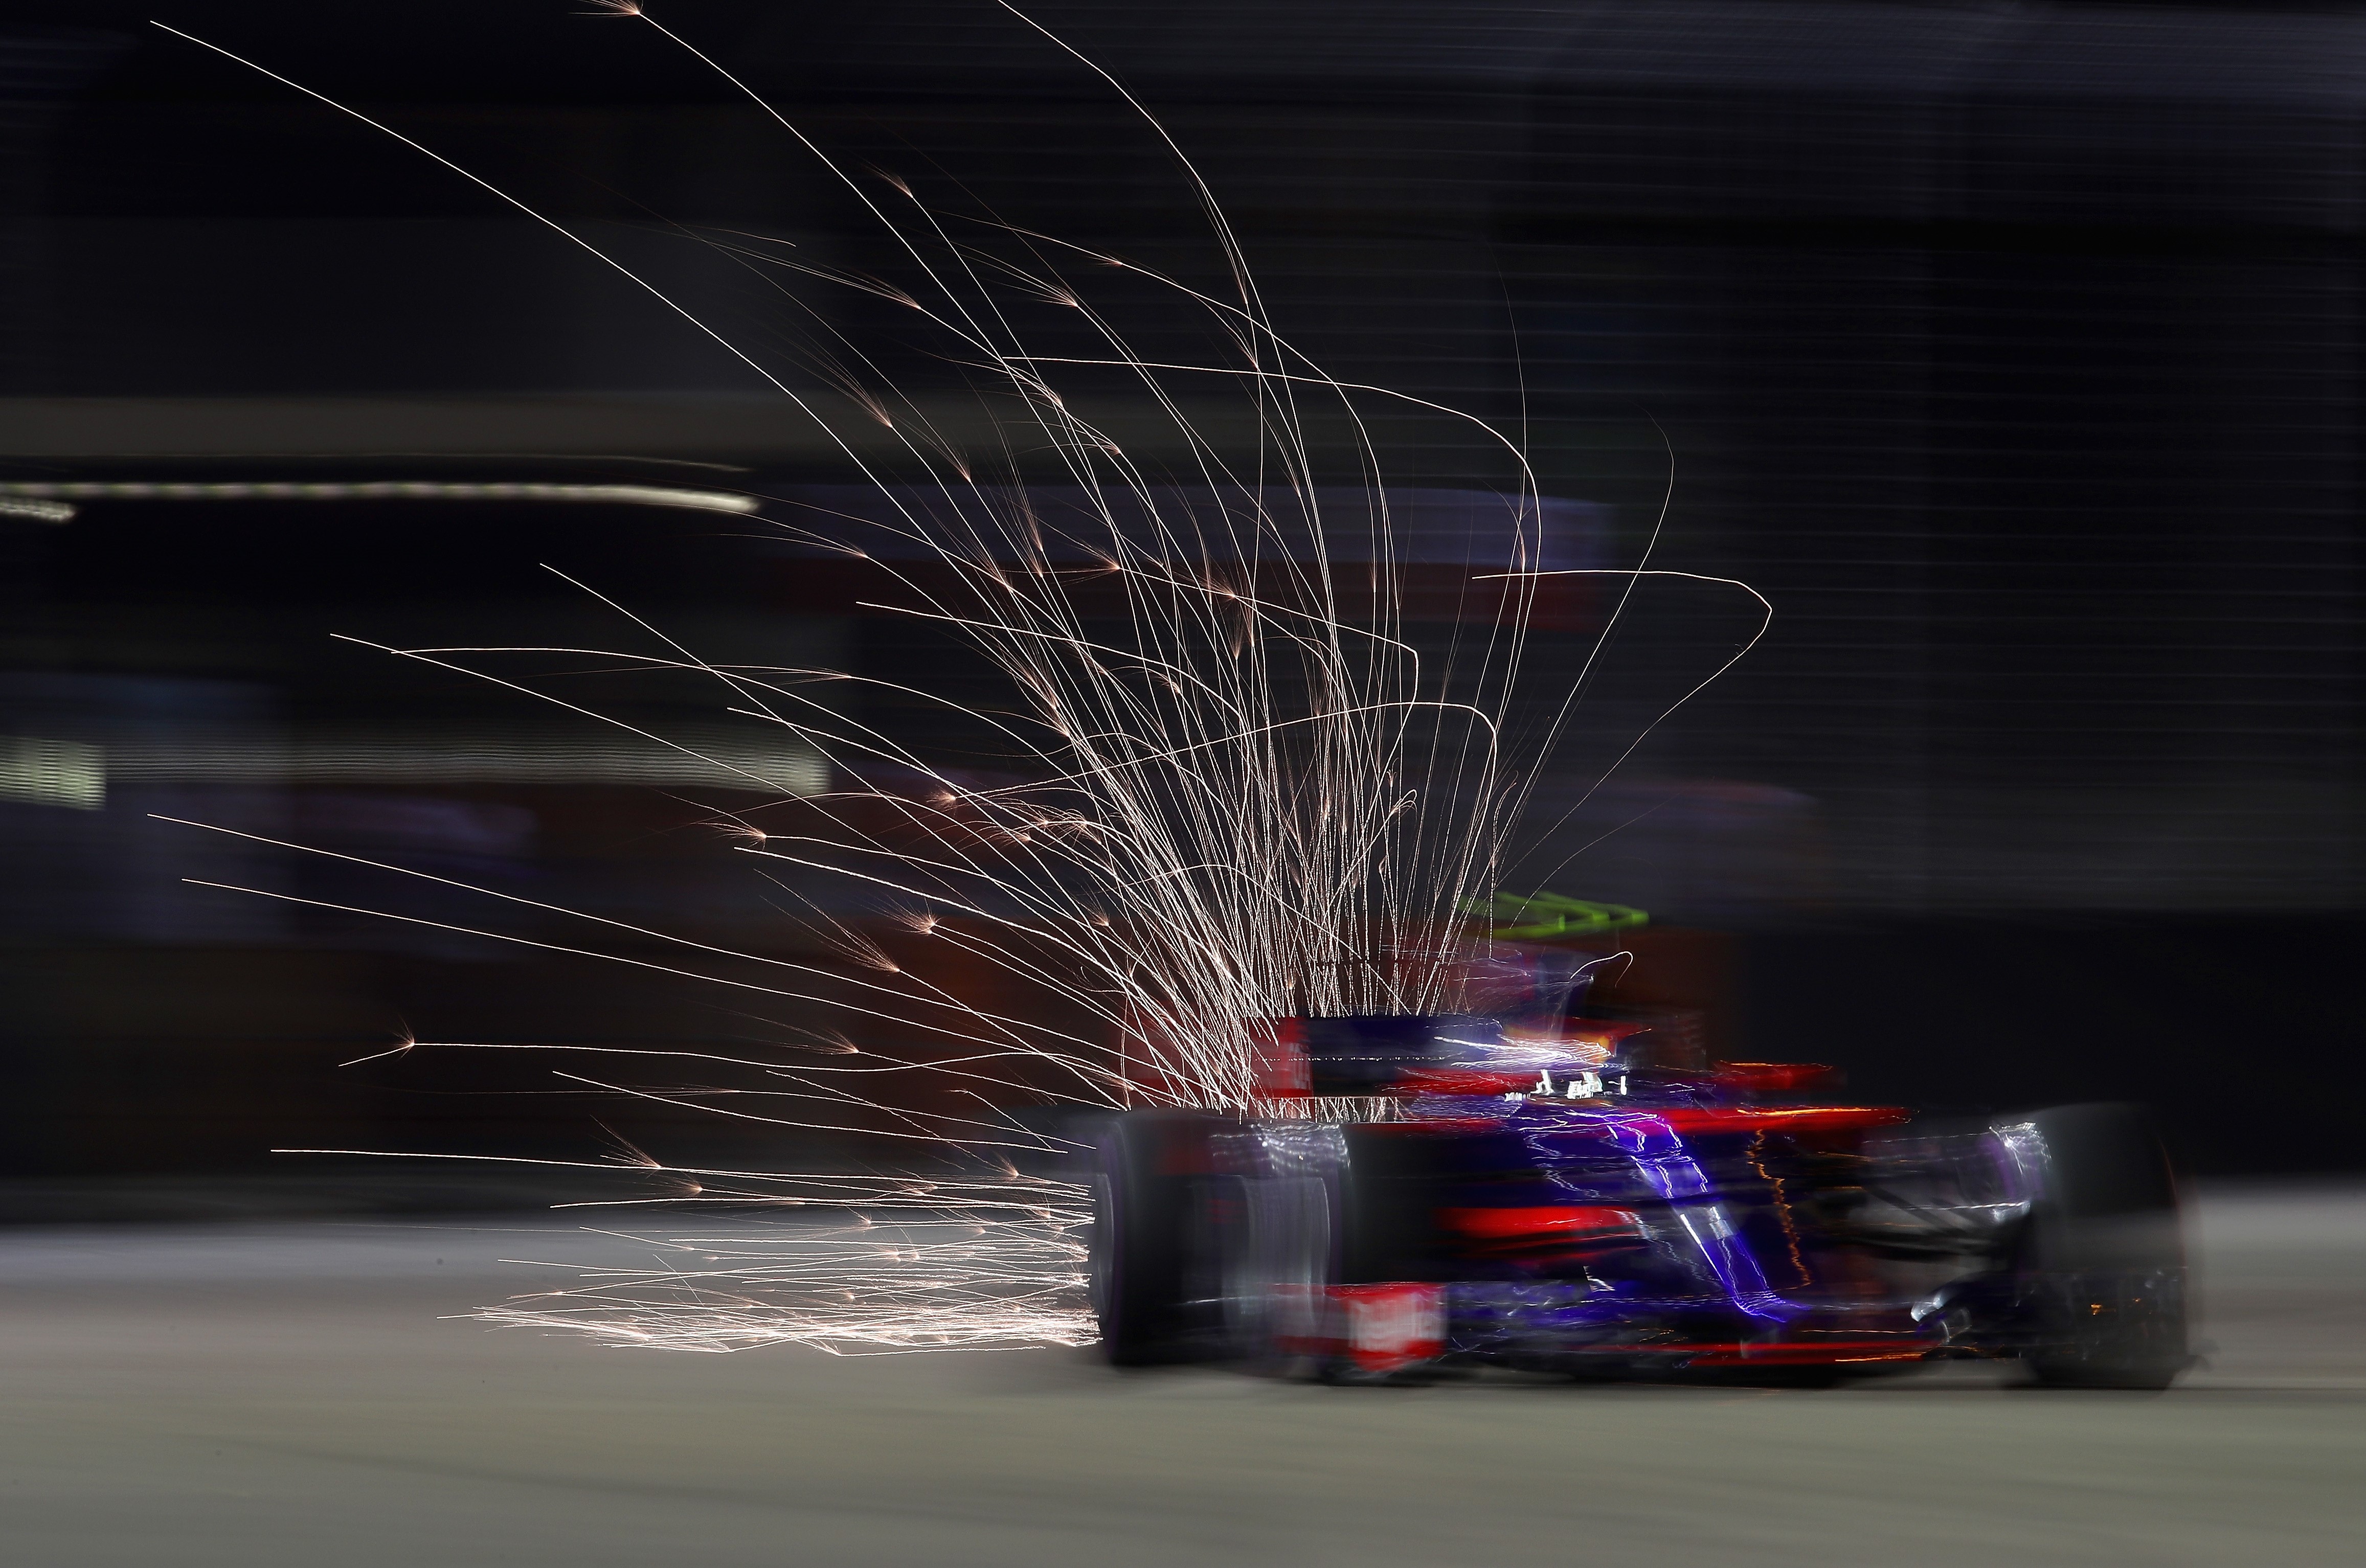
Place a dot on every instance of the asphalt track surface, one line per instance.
(289, 1396)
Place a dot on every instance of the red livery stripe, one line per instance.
(1558, 1219)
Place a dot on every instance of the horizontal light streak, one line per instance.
(76, 774)
(51, 502)
(53, 773)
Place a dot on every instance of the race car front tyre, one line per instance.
(1154, 1261)
(2101, 1261)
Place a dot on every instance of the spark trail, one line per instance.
(1232, 783)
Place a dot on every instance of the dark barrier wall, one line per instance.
(2242, 1031)
(2011, 352)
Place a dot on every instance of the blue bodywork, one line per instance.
(1608, 1208)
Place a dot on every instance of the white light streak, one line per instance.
(46, 501)
(35, 509)
(53, 773)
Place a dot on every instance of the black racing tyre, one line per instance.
(2101, 1260)
(1156, 1263)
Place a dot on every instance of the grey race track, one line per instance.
(267, 1396)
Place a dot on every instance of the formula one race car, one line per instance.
(1462, 1195)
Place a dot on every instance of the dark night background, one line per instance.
(2012, 352)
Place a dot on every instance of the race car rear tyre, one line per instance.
(1156, 1262)
(2102, 1260)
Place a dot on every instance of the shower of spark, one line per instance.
(863, 1287)
(1232, 788)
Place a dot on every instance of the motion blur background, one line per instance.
(2013, 352)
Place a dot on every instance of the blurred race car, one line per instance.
(1460, 1194)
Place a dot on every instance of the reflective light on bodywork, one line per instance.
(2024, 1150)
(1707, 1219)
